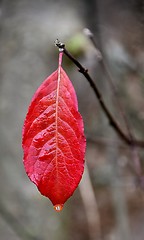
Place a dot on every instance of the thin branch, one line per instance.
(104, 67)
(91, 206)
(102, 141)
(112, 121)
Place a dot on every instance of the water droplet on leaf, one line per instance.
(58, 207)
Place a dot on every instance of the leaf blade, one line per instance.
(53, 139)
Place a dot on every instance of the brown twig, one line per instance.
(112, 121)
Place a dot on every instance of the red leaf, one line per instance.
(53, 139)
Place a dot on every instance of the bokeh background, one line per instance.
(109, 202)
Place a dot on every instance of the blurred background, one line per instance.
(109, 203)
